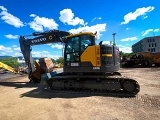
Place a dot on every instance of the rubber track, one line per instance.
(118, 78)
(93, 93)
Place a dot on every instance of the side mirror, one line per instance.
(100, 43)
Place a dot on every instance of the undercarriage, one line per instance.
(113, 83)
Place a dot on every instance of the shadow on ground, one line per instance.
(41, 91)
(18, 84)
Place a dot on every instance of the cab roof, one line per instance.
(81, 33)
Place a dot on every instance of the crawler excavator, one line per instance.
(87, 66)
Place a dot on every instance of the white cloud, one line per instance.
(5, 49)
(96, 18)
(14, 45)
(129, 39)
(67, 17)
(18, 54)
(49, 44)
(55, 56)
(42, 23)
(14, 51)
(3, 8)
(99, 28)
(149, 31)
(3, 53)
(156, 30)
(139, 12)
(37, 54)
(45, 51)
(106, 42)
(125, 49)
(58, 46)
(10, 19)
(9, 36)
(127, 28)
(17, 48)
(45, 54)
(144, 17)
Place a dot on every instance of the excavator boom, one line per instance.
(37, 38)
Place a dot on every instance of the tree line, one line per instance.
(13, 62)
(122, 54)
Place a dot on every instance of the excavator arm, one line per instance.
(38, 38)
(7, 67)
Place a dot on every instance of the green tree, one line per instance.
(60, 60)
(53, 60)
(122, 54)
(11, 62)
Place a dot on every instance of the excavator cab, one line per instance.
(75, 46)
(82, 55)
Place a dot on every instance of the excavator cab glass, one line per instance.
(75, 46)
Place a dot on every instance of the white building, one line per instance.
(151, 44)
(21, 60)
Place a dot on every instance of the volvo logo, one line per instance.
(39, 40)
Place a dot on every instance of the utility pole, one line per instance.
(114, 39)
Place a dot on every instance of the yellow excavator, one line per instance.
(7, 67)
(86, 66)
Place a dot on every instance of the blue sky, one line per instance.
(131, 20)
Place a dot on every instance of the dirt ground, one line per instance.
(20, 100)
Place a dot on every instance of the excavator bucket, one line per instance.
(43, 65)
